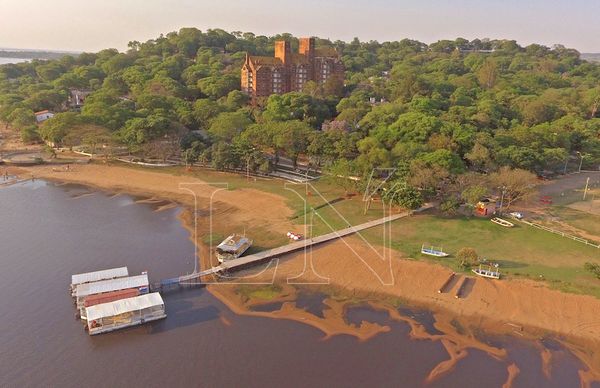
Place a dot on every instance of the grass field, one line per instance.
(266, 292)
(521, 251)
(587, 222)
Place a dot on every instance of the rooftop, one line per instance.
(123, 306)
(111, 285)
(233, 243)
(99, 275)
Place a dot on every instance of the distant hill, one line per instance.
(34, 54)
(593, 57)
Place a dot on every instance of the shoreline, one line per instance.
(579, 325)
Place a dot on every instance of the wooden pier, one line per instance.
(257, 258)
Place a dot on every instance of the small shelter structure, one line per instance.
(486, 207)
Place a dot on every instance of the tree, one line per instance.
(226, 126)
(473, 194)
(29, 134)
(401, 194)
(479, 156)
(292, 137)
(21, 118)
(445, 159)
(296, 106)
(205, 110)
(340, 173)
(217, 87)
(321, 147)
(427, 178)
(467, 257)
(56, 128)
(138, 131)
(89, 136)
(517, 184)
(487, 74)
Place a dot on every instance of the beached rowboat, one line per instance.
(490, 273)
(433, 251)
(502, 222)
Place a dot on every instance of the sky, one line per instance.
(92, 25)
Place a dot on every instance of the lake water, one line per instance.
(4, 61)
(48, 232)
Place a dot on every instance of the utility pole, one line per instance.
(587, 183)
(502, 199)
(248, 169)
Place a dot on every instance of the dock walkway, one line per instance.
(292, 247)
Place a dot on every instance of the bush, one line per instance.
(449, 206)
(467, 257)
(593, 268)
(30, 135)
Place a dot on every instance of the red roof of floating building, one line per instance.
(93, 300)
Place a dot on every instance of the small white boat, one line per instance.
(502, 222)
(491, 272)
(433, 251)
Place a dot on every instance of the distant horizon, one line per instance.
(125, 48)
(94, 24)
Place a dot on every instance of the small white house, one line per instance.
(43, 115)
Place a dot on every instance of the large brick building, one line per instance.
(289, 72)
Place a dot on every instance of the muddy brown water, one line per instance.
(49, 231)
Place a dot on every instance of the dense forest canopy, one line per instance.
(450, 107)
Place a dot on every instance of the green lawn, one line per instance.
(587, 222)
(266, 292)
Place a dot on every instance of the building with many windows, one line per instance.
(289, 72)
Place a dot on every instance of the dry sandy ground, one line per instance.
(10, 140)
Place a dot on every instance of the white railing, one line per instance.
(563, 234)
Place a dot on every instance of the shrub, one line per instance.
(467, 257)
(30, 135)
(593, 268)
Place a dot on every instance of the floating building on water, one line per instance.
(97, 276)
(123, 313)
(93, 300)
(109, 300)
(139, 282)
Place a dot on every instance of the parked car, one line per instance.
(517, 215)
